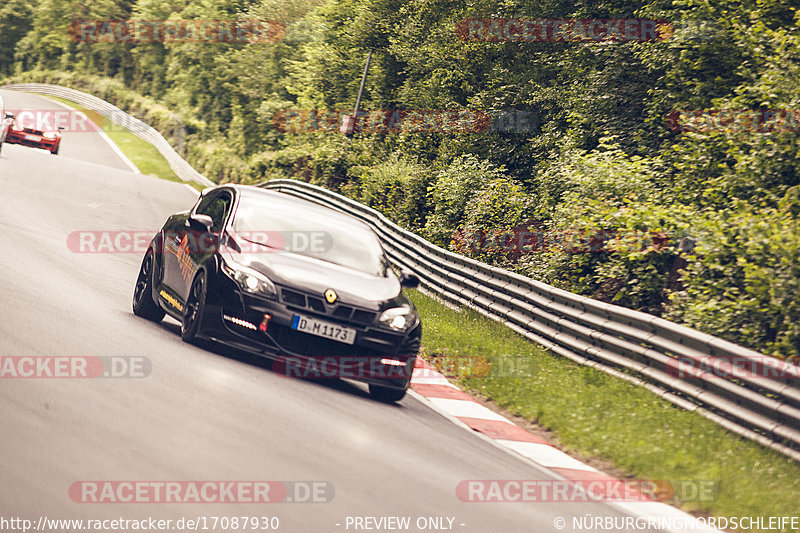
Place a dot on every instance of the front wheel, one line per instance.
(195, 307)
(385, 394)
(143, 303)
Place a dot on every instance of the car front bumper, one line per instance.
(264, 327)
(18, 137)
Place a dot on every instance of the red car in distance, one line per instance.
(48, 137)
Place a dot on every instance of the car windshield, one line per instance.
(286, 226)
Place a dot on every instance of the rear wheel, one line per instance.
(143, 303)
(195, 307)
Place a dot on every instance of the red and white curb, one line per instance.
(446, 398)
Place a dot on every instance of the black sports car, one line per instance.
(285, 278)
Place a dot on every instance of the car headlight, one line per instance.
(397, 318)
(49, 135)
(16, 127)
(249, 280)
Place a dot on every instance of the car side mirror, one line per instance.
(61, 127)
(12, 116)
(408, 280)
(200, 222)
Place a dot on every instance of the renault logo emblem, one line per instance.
(330, 296)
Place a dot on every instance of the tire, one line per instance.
(55, 152)
(143, 303)
(194, 309)
(385, 394)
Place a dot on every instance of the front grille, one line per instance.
(316, 304)
(345, 313)
(32, 144)
(363, 317)
(293, 298)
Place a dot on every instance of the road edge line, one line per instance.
(103, 135)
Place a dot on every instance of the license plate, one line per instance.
(321, 328)
(35, 138)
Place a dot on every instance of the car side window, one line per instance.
(217, 207)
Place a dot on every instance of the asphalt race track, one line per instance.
(199, 415)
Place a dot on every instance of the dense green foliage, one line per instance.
(713, 214)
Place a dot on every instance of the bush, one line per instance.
(607, 234)
(605, 174)
(452, 189)
(493, 220)
(398, 189)
(743, 283)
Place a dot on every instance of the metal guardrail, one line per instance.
(745, 391)
(119, 117)
(679, 364)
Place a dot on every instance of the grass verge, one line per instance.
(143, 154)
(597, 416)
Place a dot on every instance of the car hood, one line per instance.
(315, 276)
